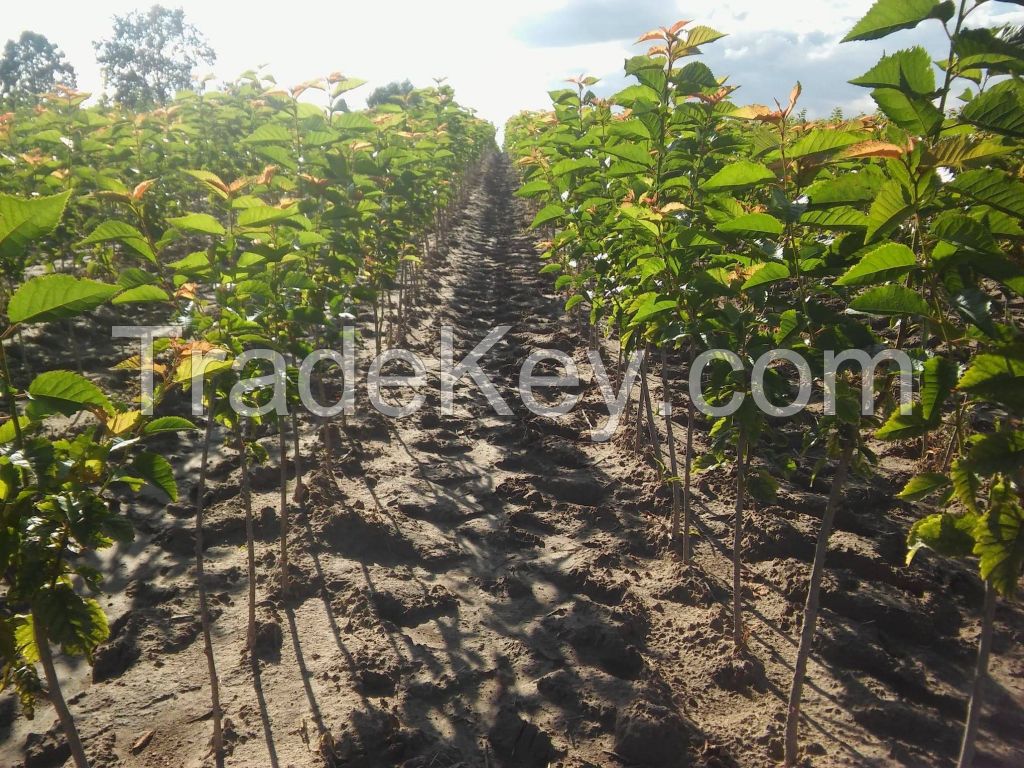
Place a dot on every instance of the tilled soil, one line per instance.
(485, 590)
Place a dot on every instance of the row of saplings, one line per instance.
(681, 222)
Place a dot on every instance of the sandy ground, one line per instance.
(486, 590)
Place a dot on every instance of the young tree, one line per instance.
(150, 56)
(32, 65)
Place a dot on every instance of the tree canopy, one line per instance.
(395, 92)
(30, 66)
(151, 55)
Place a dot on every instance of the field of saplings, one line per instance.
(761, 507)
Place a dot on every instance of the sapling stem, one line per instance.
(687, 491)
(811, 606)
(297, 457)
(988, 614)
(217, 744)
(737, 540)
(282, 440)
(250, 635)
(652, 426)
(67, 722)
(670, 436)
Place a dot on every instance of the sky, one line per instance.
(503, 56)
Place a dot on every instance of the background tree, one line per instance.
(393, 93)
(150, 56)
(32, 65)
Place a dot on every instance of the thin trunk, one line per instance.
(737, 541)
(325, 431)
(811, 606)
(282, 441)
(401, 290)
(980, 676)
(250, 634)
(377, 323)
(204, 610)
(299, 493)
(652, 427)
(638, 435)
(688, 463)
(673, 465)
(67, 722)
(620, 373)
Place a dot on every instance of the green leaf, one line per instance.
(946, 534)
(938, 378)
(886, 262)
(842, 218)
(633, 95)
(995, 377)
(25, 638)
(198, 222)
(974, 306)
(156, 470)
(771, 272)
(965, 484)
(890, 300)
(752, 223)
(355, 121)
(739, 175)
(846, 189)
(141, 294)
(68, 393)
(23, 220)
(573, 164)
(197, 263)
(533, 188)
(993, 188)
(270, 133)
(199, 365)
(909, 71)
(629, 159)
(7, 431)
(212, 181)
(126, 234)
(345, 85)
(77, 624)
(788, 323)
(914, 114)
(963, 231)
(901, 426)
(695, 76)
(168, 424)
(56, 297)
(133, 277)
(701, 35)
(888, 16)
(997, 452)
(651, 309)
(982, 48)
(892, 206)
(822, 141)
(999, 540)
(546, 214)
(999, 110)
(922, 486)
(263, 215)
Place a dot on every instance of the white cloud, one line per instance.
(503, 56)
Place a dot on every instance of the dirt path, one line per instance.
(486, 590)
